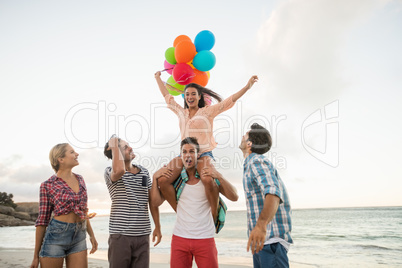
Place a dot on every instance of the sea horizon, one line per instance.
(323, 237)
(293, 209)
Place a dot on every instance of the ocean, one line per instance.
(330, 237)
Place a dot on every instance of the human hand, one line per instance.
(251, 81)
(91, 215)
(35, 263)
(207, 171)
(256, 239)
(157, 233)
(94, 244)
(158, 74)
(167, 172)
(113, 142)
(164, 172)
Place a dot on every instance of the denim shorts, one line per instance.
(209, 153)
(272, 255)
(63, 238)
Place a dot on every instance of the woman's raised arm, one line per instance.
(241, 92)
(161, 85)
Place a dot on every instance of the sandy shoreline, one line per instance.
(22, 259)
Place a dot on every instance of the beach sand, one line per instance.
(23, 258)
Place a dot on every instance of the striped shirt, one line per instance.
(259, 179)
(129, 195)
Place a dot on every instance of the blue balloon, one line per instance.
(204, 60)
(205, 40)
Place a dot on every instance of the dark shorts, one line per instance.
(209, 153)
(63, 238)
(272, 255)
(128, 251)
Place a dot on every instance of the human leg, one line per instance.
(49, 262)
(77, 260)
(211, 188)
(77, 255)
(272, 255)
(205, 253)
(166, 184)
(119, 252)
(180, 255)
(140, 253)
(58, 236)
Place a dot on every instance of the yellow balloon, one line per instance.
(191, 64)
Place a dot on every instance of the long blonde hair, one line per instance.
(55, 153)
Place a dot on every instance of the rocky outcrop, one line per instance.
(32, 208)
(23, 215)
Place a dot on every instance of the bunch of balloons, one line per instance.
(189, 62)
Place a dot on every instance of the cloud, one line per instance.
(300, 52)
(23, 180)
(14, 170)
(300, 47)
(7, 163)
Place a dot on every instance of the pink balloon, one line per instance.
(168, 67)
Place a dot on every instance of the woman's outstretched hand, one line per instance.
(242, 91)
(251, 81)
(158, 74)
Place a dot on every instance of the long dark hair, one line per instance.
(201, 91)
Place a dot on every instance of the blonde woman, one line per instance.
(65, 195)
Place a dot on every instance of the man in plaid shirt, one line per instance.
(268, 207)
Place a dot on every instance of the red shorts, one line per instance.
(183, 251)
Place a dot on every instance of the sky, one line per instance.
(329, 91)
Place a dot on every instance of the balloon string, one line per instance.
(164, 70)
(173, 88)
(185, 78)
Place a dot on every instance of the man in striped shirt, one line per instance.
(129, 187)
(268, 207)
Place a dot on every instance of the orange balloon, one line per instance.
(184, 51)
(200, 78)
(181, 38)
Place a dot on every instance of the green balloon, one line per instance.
(169, 55)
(172, 85)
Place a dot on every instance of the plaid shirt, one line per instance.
(57, 197)
(259, 179)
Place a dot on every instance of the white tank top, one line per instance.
(194, 218)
